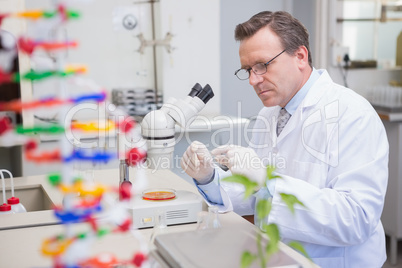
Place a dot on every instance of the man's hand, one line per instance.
(241, 160)
(197, 162)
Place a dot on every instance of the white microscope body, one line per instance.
(158, 126)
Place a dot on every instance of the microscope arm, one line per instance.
(158, 126)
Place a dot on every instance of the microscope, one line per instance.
(158, 126)
(158, 130)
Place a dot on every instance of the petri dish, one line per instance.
(159, 194)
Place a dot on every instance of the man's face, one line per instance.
(283, 77)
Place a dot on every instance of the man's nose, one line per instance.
(254, 79)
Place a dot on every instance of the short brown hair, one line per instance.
(290, 31)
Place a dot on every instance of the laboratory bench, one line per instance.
(22, 234)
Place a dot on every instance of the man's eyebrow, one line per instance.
(245, 67)
(256, 62)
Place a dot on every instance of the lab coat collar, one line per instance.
(316, 91)
(300, 95)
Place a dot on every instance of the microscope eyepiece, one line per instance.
(195, 90)
(206, 93)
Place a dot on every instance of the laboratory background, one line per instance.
(145, 53)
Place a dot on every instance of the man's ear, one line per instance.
(302, 57)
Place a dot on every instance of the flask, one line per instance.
(160, 226)
(213, 218)
(202, 220)
(208, 220)
(15, 204)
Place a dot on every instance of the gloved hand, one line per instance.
(241, 160)
(197, 162)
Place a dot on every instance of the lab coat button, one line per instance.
(275, 150)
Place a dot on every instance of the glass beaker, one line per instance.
(160, 225)
(208, 220)
(202, 220)
(213, 217)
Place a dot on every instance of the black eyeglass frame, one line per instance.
(251, 68)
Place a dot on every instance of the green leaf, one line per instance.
(271, 249)
(273, 233)
(290, 200)
(247, 259)
(263, 208)
(270, 175)
(299, 247)
(249, 185)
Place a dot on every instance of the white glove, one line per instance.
(241, 160)
(197, 162)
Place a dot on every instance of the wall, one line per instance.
(304, 11)
(110, 51)
(195, 26)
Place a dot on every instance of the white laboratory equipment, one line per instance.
(16, 205)
(13, 204)
(158, 126)
(6, 209)
(214, 247)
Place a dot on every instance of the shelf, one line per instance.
(340, 20)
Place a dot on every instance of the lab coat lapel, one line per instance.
(313, 96)
(274, 116)
(317, 90)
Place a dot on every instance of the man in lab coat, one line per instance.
(328, 144)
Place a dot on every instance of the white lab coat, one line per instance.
(332, 155)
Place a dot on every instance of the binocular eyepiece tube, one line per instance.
(205, 94)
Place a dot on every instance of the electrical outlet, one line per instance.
(338, 52)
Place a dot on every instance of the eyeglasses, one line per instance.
(259, 69)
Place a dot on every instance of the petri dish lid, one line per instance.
(159, 194)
